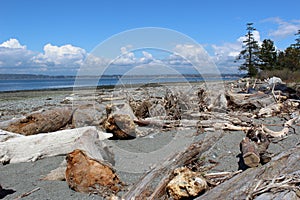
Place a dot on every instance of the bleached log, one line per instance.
(283, 132)
(6, 135)
(32, 148)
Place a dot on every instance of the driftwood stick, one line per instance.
(167, 167)
(27, 193)
(283, 132)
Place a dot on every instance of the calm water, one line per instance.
(14, 85)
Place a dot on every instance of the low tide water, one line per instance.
(52, 83)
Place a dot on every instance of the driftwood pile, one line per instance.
(78, 130)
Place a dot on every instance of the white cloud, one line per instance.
(226, 54)
(66, 55)
(285, 28)
(12, 43)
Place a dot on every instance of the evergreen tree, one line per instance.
(267, 55)
(249, 53)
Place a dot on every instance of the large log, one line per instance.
(41, 122)
(32, 148)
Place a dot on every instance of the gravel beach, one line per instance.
(132, 157)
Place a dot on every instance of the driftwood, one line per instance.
(250, 152)
(88, 175)
(41, 122)
(166, 168)
(278, 177)
(284, 131)
(32, 148)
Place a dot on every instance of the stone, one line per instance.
(186, 184)
(88, 115)
(87, 175)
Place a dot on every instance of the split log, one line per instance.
(32, 148)
(41, 122)
(166, 168)
(278, 177)
(88, 175)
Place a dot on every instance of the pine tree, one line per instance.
(249, 53)
(267, 55)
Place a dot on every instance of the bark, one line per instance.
(41, 122)
(32, 148)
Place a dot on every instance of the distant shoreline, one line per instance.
(46, 77)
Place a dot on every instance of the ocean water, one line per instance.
(51, 83)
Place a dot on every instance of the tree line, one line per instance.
(265, 57)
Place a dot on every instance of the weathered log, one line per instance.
(283, 171)
(41, 122)
(32, 148)
(250, 152)
(88, 175)
(166, 168)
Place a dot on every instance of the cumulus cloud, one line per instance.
(12, 44)
(66, 55)
(285, 28)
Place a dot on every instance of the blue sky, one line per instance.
(56, 36)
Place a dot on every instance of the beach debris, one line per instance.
(186, 184)
(270, 110)
(88, 115)
(120, 121)
(35, 147)
(87, 175)
(286, 127)
(41, 122)
(27, 193)
(280, 176)
(254, 147)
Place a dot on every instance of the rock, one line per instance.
(186, 184)
(121, 126)
(88, 115)
(87, 175)
(41, 122)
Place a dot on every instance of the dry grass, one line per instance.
(285, 75)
